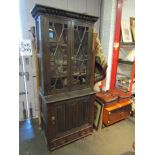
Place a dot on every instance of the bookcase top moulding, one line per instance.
(46, 10)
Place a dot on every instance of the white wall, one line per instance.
(91, 7)
(108, 14)
(128, 9)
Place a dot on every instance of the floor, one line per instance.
(116, 139)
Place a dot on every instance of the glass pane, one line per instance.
(58, 28)
(58, 38)
(79, 72)
(80, 55)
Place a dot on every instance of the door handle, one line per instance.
(72, 58)
(53, 120)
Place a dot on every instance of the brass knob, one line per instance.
(53, 120)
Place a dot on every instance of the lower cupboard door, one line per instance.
(68, 115)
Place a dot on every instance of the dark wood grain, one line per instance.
(67, 113)
(46, 10)
(69, 116)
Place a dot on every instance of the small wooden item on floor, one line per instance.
(116, 113)
(117, 106)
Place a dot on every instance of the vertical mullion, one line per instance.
(70, 51)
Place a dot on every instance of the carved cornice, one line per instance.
(46, 10)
